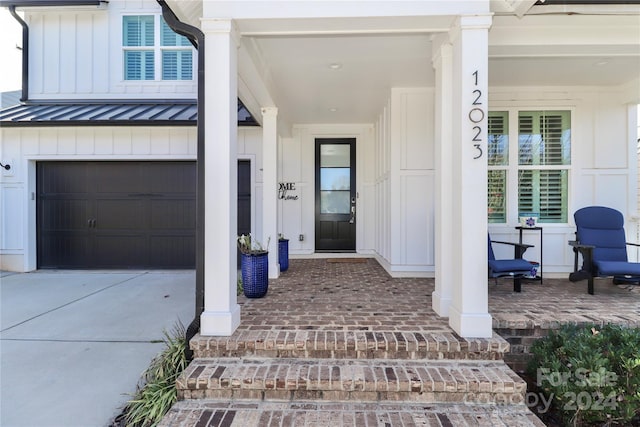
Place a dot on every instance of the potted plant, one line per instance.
(254, 264)
(283, 252)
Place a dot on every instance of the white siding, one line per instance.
(23, 147)
(77, 54)
(412, 181)
(250, 148)
(296, 164)
(603, 171)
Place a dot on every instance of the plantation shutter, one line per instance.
(526, 192)
(496, 196)
(498, 148)
(176, 64)
(498, 138)
(553, 190)
(137, 32)
(551, 129)
(139, 65)
(543, 141)
(170, 38)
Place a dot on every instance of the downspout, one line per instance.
(196, 37)
(25, 53)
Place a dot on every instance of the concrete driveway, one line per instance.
(74, 343)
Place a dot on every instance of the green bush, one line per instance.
(157, 391)
(590, 373)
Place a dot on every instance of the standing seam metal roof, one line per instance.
(110, 113)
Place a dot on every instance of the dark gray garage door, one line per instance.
(116, 214)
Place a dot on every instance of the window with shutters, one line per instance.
(529, 166)
(498, 157)
(153, 51)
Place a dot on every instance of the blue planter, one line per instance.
(283, 254)
(255, 274)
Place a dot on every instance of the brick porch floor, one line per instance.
(318, 295)
(318, 312)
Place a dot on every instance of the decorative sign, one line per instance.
(283, 191)
(476, 116)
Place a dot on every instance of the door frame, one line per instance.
(252, 196)
(251, 158)
(352, 141)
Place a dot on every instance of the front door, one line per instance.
(244, 199)
(335, 195)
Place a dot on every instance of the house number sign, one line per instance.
(476, 116)
(283, 191)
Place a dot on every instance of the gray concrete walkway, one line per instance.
(74, 343)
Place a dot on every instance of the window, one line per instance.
(153, 51)
(532, 176)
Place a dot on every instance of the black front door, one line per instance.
(244, 199)
(335, 194)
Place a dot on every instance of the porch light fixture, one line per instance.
(6, 167)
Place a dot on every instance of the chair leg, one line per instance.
(517, 284)
(591, 292)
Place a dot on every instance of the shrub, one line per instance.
(157, 392)
(591, 373)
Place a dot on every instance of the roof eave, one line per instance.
(50, 3)
(84, 123)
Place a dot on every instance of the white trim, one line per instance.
(363, 135)
(30, 231)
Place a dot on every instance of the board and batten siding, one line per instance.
(404, 179)
(77, 54)
(603, 164)
(23, 147)
(296, 164)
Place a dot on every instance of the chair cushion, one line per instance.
(617, 268)
(603, 228)
(517, 266)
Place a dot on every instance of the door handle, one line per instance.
(91, 223)
(353, 215)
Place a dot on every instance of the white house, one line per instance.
(401, 130)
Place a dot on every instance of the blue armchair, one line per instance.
(516, 267)
(600, 239)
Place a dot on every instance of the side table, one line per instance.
(520, 230)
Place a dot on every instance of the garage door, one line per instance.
(116, 214)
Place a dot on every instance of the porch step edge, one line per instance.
(351, 380)
(311, 413)
(350, 345)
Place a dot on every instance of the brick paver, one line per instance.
(559, 301)
(307, 414)
(344, 344)
(352, 380)
(317, 295)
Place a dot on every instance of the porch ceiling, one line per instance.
(294, 57)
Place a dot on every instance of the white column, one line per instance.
(221, 314)
(468, 313)
(444, 257)
(270, 186)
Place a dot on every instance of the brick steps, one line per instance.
(350, 345)
(292, 414)
(475, 382)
